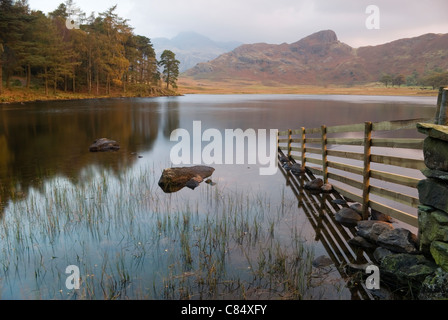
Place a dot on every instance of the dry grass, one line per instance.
(192, 86)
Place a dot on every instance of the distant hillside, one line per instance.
(192, 48)
(322, 59)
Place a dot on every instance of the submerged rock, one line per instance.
(104, 144)
(174, 179)
(322, 262)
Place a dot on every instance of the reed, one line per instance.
(132, 241)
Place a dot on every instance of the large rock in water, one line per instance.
(104, 144)
(174, 179)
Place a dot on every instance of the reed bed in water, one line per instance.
(132, 241)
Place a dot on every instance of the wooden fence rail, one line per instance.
(301, 143)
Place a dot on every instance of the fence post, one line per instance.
(324, 153)
(442, 107)
(366, 172)
(303, 147)
(289, 143)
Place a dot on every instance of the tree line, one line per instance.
(434, 78)
(94, 54)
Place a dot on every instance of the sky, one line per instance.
(274, 22)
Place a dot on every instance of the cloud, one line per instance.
(278, 21)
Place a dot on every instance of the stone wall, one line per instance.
(433, 194)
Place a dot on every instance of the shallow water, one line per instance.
(103, 212)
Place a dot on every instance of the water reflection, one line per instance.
(46, 139)
(43, 140)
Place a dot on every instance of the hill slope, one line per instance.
(322, 59)
(192, 48)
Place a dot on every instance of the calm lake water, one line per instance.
(61, 205)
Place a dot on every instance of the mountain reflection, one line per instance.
(39, 141)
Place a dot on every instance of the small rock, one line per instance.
(347, 217)
(339, 201)
(357, 207)
(354, 267)
(359, 241)
(379, 216)
(210, 182)
(297, 169)
(322, 262)
(104, 144)
(326, 187)
(315, 184)
(380, 253)
(283, 159)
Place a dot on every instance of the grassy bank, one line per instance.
(191, 86)
(17, 94)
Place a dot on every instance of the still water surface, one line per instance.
(61, 205)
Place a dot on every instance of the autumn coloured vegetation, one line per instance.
(42, 58)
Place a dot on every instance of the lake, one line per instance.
(243, 238)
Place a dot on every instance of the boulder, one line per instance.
(174, 179)
(407, 270)
(371, 229)
(435, 152)
(398, 240)
(442, 175)
(435, 287)
(439, 251)
(432, 226)
(104, 144)
(433, 192)
(347, 217)
(315, 184)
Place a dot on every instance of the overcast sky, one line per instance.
(273, 21)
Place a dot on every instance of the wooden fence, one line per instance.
(300, 145)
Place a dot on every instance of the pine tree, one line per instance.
(170, 68)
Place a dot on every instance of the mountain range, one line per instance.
(321, 58)
(192, 48)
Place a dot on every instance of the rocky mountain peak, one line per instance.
(321, 37)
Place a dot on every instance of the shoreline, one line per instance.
(193, 86)
(22, 96)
